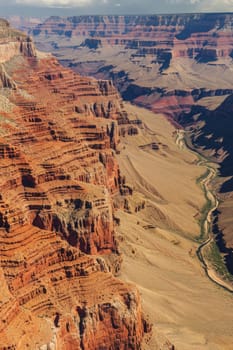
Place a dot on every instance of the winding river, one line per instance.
(205, 182)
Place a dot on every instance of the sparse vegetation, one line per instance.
(200, 180)
(203, 176)
(217, 261)
(204, 212)
(212, 254)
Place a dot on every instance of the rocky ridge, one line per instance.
(163, 62)
(178, 65)
(168, 63)
(164, 36)
(59, 252)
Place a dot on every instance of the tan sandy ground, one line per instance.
(183, 304)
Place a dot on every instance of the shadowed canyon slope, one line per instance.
(160, 54)
(58, 248)
(179, 65)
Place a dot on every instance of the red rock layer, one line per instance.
(152, 45)
(58, 171)
(197, 36)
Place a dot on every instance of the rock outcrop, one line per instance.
(169, 51)
(204, 37)
(59, 252)
(18, 42)
(178, 65)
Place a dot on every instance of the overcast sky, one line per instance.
(76, 7)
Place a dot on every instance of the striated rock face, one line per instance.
(200, 36)
(178, 65)
(19, 43)
(164, 62)
(58, 253)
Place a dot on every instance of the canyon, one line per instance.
(93, 188)
(179, 65)
(59, 251)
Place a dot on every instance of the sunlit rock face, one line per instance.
(178, 65)
(164, 62)
(59, 253)
(200, 36)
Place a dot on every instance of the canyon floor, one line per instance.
(159, 243)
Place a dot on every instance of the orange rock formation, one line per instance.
(58, 172)
(158, 60)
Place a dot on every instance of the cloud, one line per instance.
(184, 2)
(68, 7)
(216, 5)
(205, 5)
(58, 3)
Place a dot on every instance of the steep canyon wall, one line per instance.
(59, 252)
(179, 65)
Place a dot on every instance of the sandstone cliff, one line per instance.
(201, 36)
(164, 62)
(178, 65)
(58, 173)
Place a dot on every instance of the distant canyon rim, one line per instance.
(178, 65)
(116, 196)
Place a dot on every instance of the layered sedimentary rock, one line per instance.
(160, 39)
(164, 62)
(59, 132)
(200, 36)
(179, 65)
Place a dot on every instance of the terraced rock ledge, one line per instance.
(58, 250)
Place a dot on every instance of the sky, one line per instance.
(79, 7)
